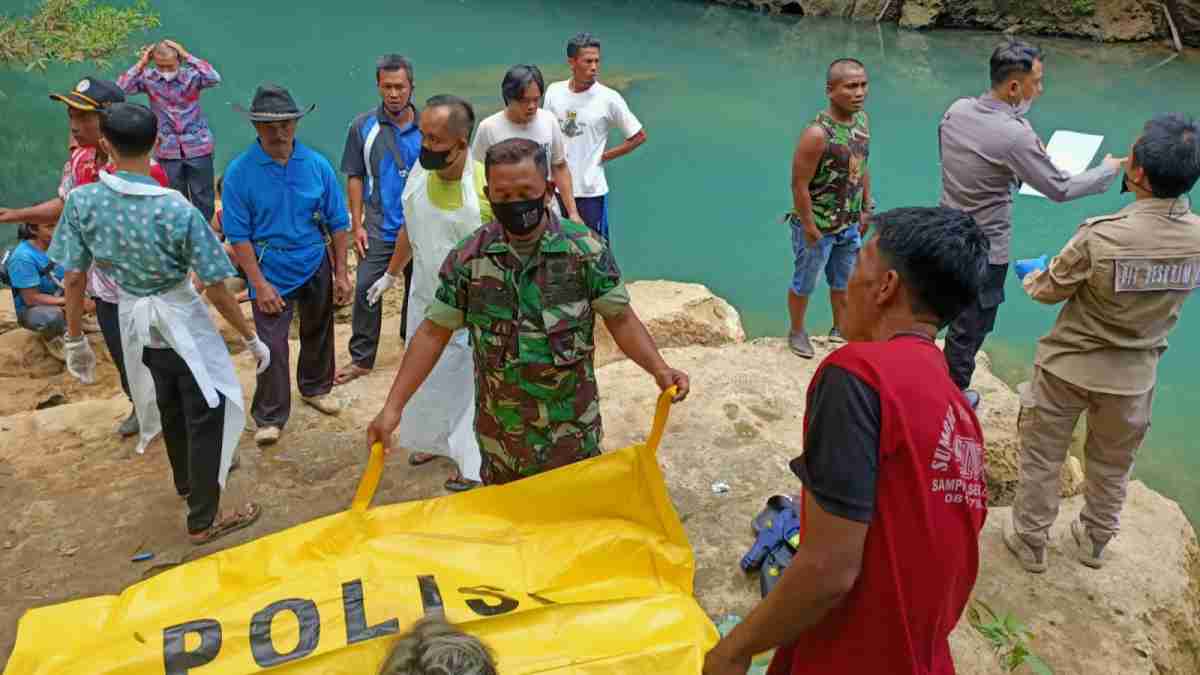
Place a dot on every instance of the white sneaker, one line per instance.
(1089, 551)
(325, 403)
(266, 435)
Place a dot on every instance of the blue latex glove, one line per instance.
(1024, 267)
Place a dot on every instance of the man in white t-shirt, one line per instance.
(586, 110)
(523, 117)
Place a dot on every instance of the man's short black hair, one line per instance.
(1169, 152)
(462, 114)
(517, 80)
(1011, 58)
(130, 127)
(392, 63)
(940, 254)
(833, 73)
(515, 151)
(581, 41)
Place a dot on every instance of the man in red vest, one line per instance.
(893, 494)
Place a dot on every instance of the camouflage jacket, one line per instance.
(531, 325)
(837, 186)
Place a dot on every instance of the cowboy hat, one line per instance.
(273, 103)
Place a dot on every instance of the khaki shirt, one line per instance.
(987, 149)
(1125, 278)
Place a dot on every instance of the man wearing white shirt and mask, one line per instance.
(444, 202)
(523, 89)
(180, 375)
(586, 110)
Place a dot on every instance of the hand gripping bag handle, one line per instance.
(370, 479)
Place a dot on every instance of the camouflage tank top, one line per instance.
(837, 186)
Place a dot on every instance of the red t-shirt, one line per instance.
(81, 169)
(921, 554)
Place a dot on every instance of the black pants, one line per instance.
(193, 178)
(368, 320)
(192, 432)
(971, 328)
(110, 327)
(272, 403)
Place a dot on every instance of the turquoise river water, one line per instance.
(723, 94)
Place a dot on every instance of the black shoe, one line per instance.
(972, 397)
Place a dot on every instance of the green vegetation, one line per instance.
(1083, 7)
(71, 31)
(1008, 637)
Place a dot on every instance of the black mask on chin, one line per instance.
(520, 217)
(434, 160)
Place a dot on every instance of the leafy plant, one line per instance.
(71, 31)
(1083, 7)
(1009, 638)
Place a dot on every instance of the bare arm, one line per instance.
(341, 242)
(632, 143)
(32, 296)
(804, 166)
(401, 255)
(228, 308)
(635, 341)
(46, 213)
(354, 194)
(562, 181)
(868, 207)
(246, 260)
(825, 568)
(74, 283)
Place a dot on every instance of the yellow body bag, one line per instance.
(583, 570)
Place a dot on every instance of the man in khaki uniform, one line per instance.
(1124, 278)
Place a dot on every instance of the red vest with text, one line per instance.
(921, 553)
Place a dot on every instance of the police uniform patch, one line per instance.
(1134, 275)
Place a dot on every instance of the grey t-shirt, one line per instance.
(987, 150)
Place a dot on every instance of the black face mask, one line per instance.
(434, 160)
(520, 217)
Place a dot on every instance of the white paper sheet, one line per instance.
(1070, 151)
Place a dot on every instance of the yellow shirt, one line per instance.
(447, 195)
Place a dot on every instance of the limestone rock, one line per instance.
(1187, 20)
(22, 351)
(8, 313)
(676, 314)
(920, 13)
(743, 423)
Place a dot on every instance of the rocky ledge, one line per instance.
(1102, 20)
(80, 501)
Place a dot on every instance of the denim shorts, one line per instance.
(834, 252)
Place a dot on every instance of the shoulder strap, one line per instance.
(389, 139)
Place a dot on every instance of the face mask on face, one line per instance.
(1022, 108)
(520, 217)
(434, 160)
(169, 75)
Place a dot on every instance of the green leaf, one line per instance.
(1037, 665)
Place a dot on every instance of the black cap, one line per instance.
(273, 103)
(92, 94)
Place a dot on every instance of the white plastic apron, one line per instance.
(440, 416)
(181, 320)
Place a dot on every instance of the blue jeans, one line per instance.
(45, 320)
(835, 253)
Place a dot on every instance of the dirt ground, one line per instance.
(80, 502)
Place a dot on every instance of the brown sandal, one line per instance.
(240, 520)
(419, 458)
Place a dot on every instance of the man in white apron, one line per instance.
(443, 204)
(147, 238)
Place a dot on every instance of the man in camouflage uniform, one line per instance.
(527, 286)
(831, 198)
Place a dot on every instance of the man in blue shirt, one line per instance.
(37, 287)
(286, 217)
(381, 147)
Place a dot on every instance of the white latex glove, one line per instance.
(261, 352)
(375, 292)
(81, 360)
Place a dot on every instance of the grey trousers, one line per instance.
(194, 178)
(272, 403)
(368, 320)
(1116, 426)
(45, 320)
